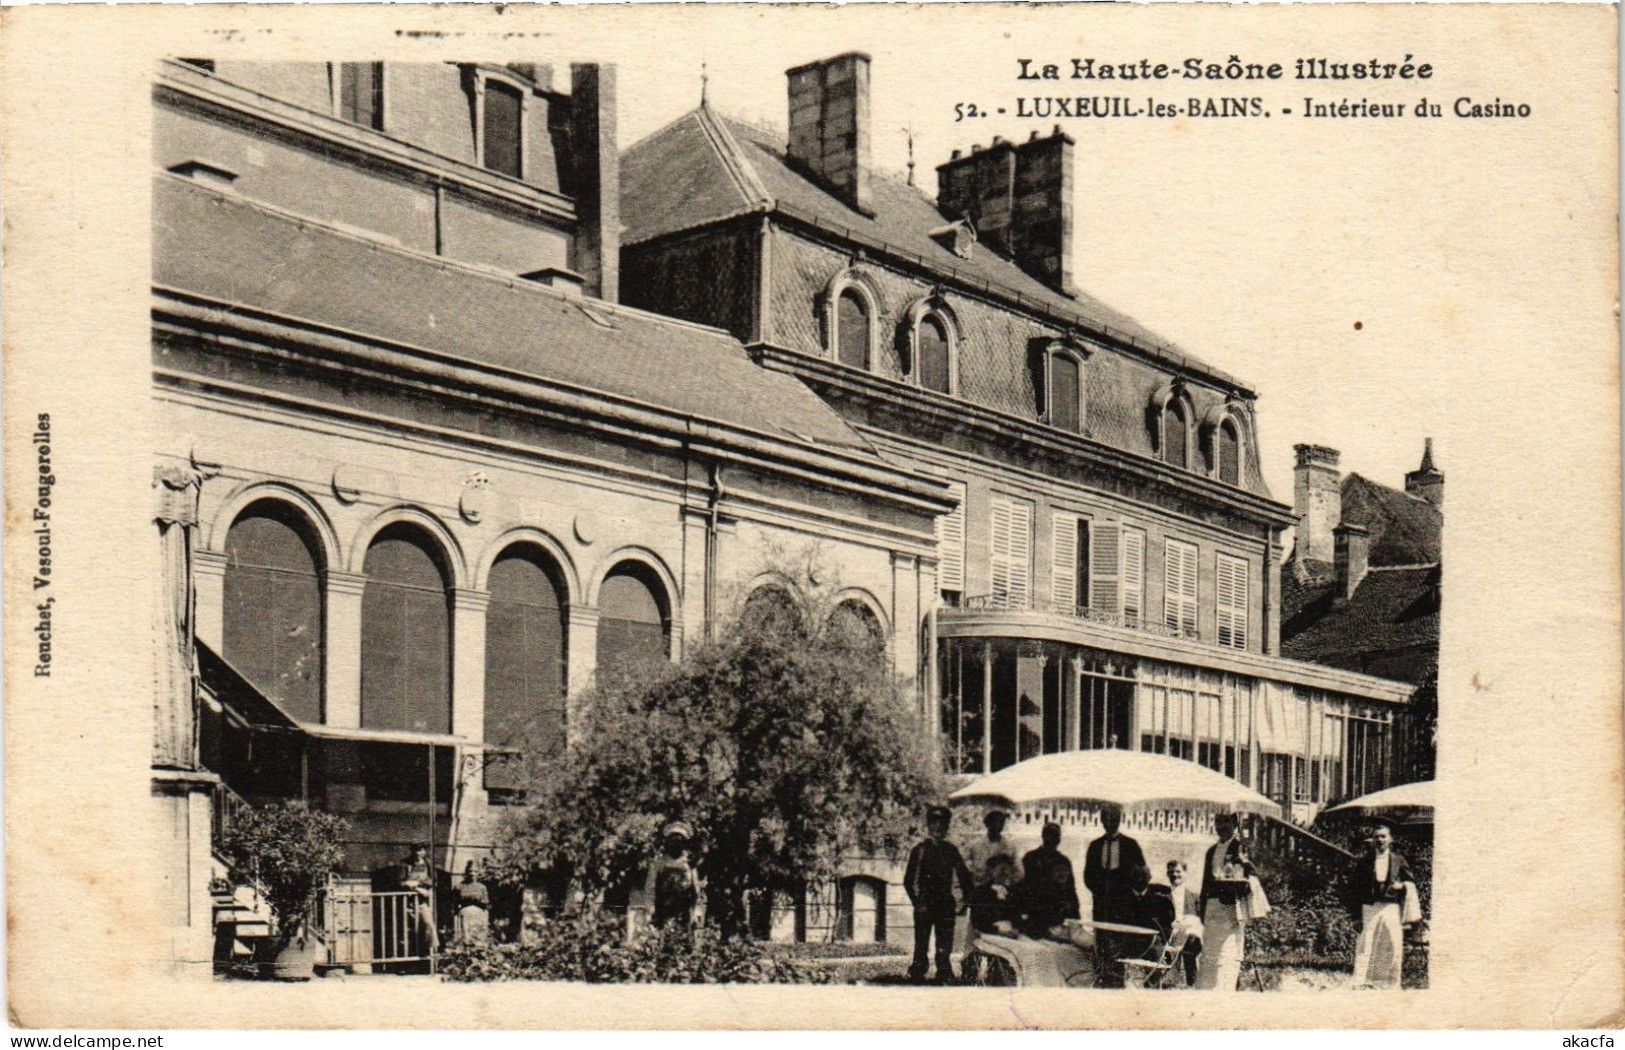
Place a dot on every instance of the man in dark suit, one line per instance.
(1107, 868)
(934, 865)
(1049, 890)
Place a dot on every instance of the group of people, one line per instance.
(1131, 916)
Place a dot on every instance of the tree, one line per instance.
(786, 744)
(290, 851)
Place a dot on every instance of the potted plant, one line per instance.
(289, 851)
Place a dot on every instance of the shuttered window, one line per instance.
(524, 653)
(1179, 587)
(405, 635)
(1064, 562)
(1011, 561)
(1232, 604)
(272, 629)
(852, 330)
(1116, 571)
(951, 545)
(1133, 576)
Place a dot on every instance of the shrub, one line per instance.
(291, 851)
(592, 946)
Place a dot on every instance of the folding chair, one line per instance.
(1152, 971)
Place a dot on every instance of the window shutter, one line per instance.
(1021, 554)
(1064, 564)
(1133, 576)
(1179, 605)
(1232, 601)
(1105, 567)
(951, 545)
(999, 559)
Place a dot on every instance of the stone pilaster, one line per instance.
(343, 655)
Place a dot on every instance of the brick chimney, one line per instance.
(829, 125)
(1019, 197)
(1352, 558)
(1426, 482)
(595, 162)
(1317, 500)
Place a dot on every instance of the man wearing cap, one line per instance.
(673, 888)
(980, 854)
(933, 867)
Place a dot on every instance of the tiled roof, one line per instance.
(1389, 628)
(704, 168)
(219, 246)
(1404, 530)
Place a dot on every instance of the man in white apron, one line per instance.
(1377, 886)
(1225, 903)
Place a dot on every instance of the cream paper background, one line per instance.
(1492, 250)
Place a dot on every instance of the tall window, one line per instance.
(1179, 588)
(1232, 601)
(950, 529)
(1065, 400)
(501, 138)
(1070, 565)
(633, 625)
(525, 653)
(273, 607)
(931, 339)
(361, 93)
(852, 330)
(855, 624)
(405, 634)
(1011, 554)
(1115, 566)
(1175, 434)
(1229, 452)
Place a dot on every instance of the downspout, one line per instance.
(712, 517)
(439, 216)
(1269, 550)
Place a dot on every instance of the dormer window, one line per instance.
(930, 333)
(358, 92)
(848, 309)
(852, 330)
(499, 98)
(1175, 435)
(958, 237)
(1060, 385)
(1223, 444)
(1173, 423)
(1228, 443)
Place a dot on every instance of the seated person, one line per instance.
(995, 907)
(1049, 890)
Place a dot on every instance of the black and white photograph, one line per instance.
(907, 508)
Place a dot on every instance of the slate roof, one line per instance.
(704, 168)
(222, 247)
(1404, 530)
(1390, 628)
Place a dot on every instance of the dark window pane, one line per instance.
(933, 342)
(502, 109)
(405, 636)
(524, 654)
(770, 610)
(632, 622)
(361, 93)
(1229, 454)
(1173, 435)
(852, 330)
(272, 630)
(855, 624)
(1064, 396)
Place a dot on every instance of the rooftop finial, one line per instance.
(1427, 456)
(705, 84)
(910, 130)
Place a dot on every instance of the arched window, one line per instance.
(770, 608)
(931, 342)
(525, 652)
(1229, 453)
(405, 634)
(272, 630)
(1175, 433)
(633, 624)
(852, 330)
(855, 624)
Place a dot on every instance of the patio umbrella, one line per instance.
(1131, 779)
(1409, 803)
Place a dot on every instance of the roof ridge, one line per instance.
(733, 158)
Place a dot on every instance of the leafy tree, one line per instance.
(290, 851)
(787, 743)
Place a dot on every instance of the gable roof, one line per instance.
(222, 247)
(1389, 628)
(704, 168)
(1404, 530)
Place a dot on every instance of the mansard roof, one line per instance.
(704, 168)
(246, 256)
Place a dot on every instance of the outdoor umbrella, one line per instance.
(1130, 779)
(1409, 803)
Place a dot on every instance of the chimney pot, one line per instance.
(955, 156)
(1352, 559)
(976, 147)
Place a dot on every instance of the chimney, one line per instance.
(1317, 500)
(1041, 223)
(1020, 200)
(980, 186)
(595, 162)
(1426, 482)
(829, 125)
(1351, 560)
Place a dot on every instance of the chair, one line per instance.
(1152, 972)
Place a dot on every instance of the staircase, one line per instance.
(242, 918)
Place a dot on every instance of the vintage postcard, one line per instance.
(794, 517)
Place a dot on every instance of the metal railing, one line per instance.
(225, 812)
(1037, 603)
(371, 928)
